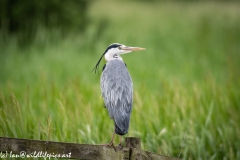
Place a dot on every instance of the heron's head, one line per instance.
(114, 50)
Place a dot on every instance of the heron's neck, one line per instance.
(112, 56)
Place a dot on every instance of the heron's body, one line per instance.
(117, 87)
(117, 92)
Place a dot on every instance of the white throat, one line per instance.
(112, 56)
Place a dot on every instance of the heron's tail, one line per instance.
(120, 131)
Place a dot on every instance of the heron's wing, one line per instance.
(117, 92)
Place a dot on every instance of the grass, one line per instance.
(186, 83)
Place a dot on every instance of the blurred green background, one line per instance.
(186, 84)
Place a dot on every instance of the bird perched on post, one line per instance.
(117, 87)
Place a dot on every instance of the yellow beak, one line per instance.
(132, 48)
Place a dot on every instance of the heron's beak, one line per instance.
(132, 48)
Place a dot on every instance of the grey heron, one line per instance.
(117, 87)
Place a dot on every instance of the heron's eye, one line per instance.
(119, 48)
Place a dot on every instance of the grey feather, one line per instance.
(117, 92)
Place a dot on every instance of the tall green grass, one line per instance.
(186, 84)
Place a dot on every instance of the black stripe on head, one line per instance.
(114, 45)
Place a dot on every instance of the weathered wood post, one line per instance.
(27, 148)
(136, 153)
(135, 145)
(133, 142)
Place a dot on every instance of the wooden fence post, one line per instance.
(136, 153)
(26, 148)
